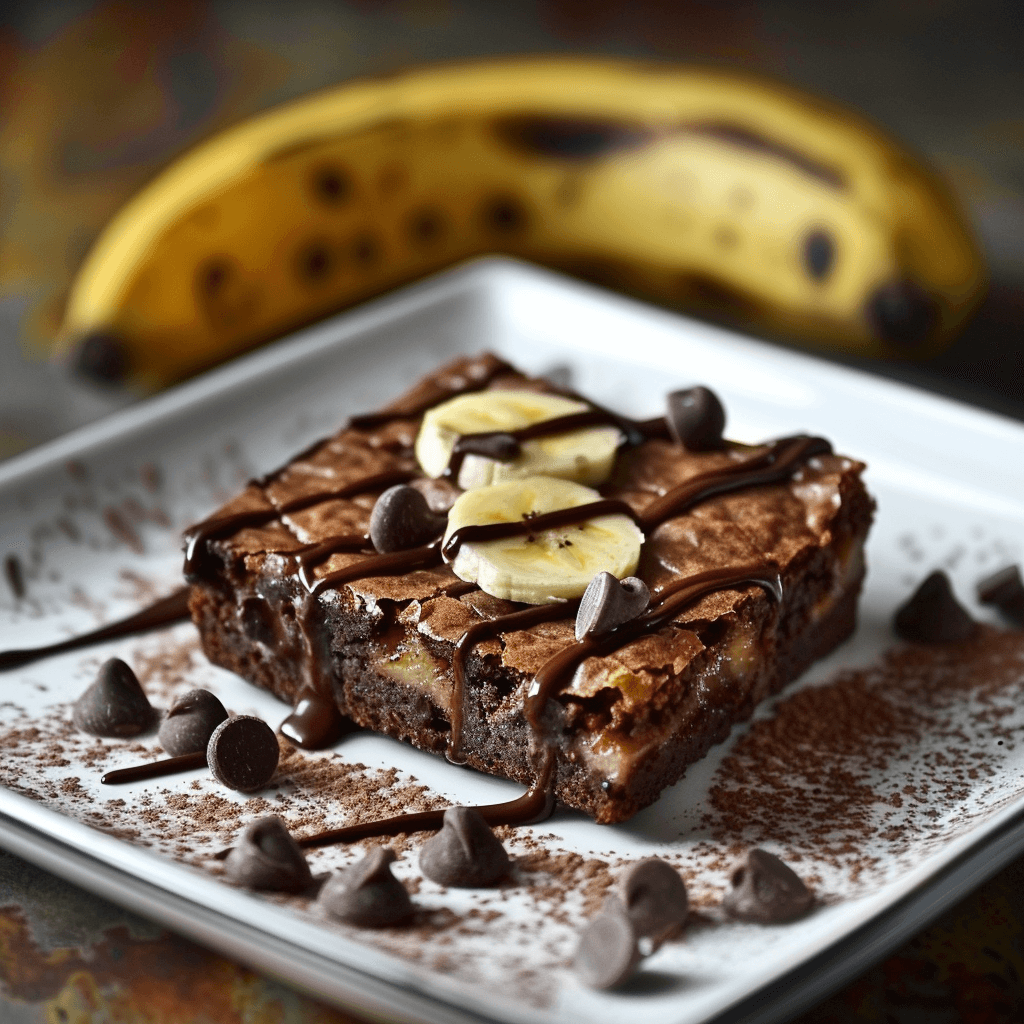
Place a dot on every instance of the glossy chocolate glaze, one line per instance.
(535, 524)
(557, 672)
(777, 463)
(506, 445)
(197, 564)
(316, 722)
(165, 612)
(394, 563)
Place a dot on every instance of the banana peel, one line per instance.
(711, 191)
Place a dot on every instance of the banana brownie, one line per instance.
(420, 574)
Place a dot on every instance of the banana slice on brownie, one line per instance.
(538, 567)
(585, 455)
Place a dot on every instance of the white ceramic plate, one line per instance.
(96, 533)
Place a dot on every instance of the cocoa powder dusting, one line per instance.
(123, 530)
(848, 781)
(899, 753)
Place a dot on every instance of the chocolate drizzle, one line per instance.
(310, 557)
(488, 629)
(536, 804)
(197, 563)
(165, 612)
(772, 466)
(506, 445)
(479, 373)
(316, 722)
(554, 675)
(535, 524)
(394, 563)
(155, 769)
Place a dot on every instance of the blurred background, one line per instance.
(95, 98)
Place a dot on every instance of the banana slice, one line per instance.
(551, 565)
(585, 456)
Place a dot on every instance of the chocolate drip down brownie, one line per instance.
(447, 572)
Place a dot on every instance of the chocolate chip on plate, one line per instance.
(243, 753)
(402, 519)
(115, 704)
(696, 419)
(932, 614)
(1005, 590)
(190, 723)
(465, 853)
(765, 890)
(608, 951)
(267, 857)
(608, 602)
(367, 893)
(655, 898)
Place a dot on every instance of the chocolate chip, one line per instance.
(367, 893)
(267, 857)
(766, 891)
(402, 519)
(655, 898)
(243, 753)
(932, 615)
(465, 853)
(114, 705)
(609, 951)
(608, 602)
(190, 723)
(696, 419)
(1005, 590)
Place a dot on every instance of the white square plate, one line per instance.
(96, 533)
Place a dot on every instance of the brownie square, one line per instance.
(628, 722)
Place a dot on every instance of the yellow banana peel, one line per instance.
(712, 191)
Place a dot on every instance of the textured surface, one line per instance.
(628, 723)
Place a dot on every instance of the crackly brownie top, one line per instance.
(775, 524)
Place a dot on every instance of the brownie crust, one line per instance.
(628, 724)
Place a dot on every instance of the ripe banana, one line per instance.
(550, 565)
(585, 456)
(711, 190)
